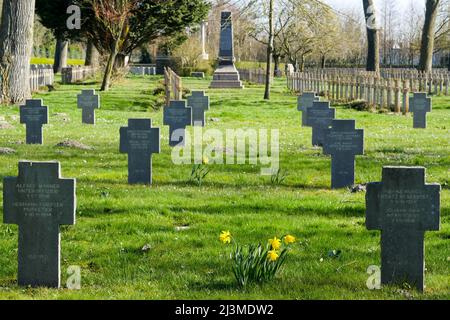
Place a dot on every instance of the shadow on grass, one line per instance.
(248, 209)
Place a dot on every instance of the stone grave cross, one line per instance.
(140, 141)
(304, 102)
(34, 115)
(88, 101)
(319, 117)
(39, 201)
(420, 105)
(177, 116)
(343, 142)
(403, 207)
(199, 103)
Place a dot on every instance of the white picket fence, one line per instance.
(390, 88)
(141, 70)
(41, 76)
(76, 74)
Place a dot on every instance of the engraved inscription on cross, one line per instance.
(420, 105)
(403, 207)
(88, 101)
(39, 201)
(319, 117)
(199, 103)
(343, 142)
(177, 116)
(304, 102)
(140, 141)
(34, 115)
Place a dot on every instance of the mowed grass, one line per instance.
(115, 220)
(70, 62)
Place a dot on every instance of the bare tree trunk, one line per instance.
(276, 61)
(427, 48)
(92, 55)
(61, 53)
(373, 39)
(110, 66)
(16, 42)
(301, 64)
(1, 10)
(269, 52)
(120, 61)
(323, 62)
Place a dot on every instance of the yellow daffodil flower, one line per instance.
(289, 239)
(225, 237)
(275, 243)
(272, 255)
(205, 160)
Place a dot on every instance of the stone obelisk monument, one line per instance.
(226, 76)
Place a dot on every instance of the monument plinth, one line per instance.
(226, 76)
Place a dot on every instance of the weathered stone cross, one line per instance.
(33, 114)
(39, 201)
(343, 142)
(403, 207)
(304, 102)
(199, 103)
(140, 141)
(420, 105)
(177, 116)
(88, 101)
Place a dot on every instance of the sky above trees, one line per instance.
(344, 4)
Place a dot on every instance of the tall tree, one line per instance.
(269, 51)
(53, 16)
(113, 16)
(373, 39)
(92, 55)
(428, 34)
(61, 55)
(1, 9)
(16, 42)
(117, 27)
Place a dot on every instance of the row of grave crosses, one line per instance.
(140, 140)
(40, 201)
(402, 206)
(339, 138)
(34, 114)
(177, 115)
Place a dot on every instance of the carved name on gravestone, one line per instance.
(88, 101)
(34, 115)
(319, 117)
(140, 141)
(199, 103)
(39, 201)
(304, 102)
(420, 105)
(403, 207)
(177, 116)
(343, 142)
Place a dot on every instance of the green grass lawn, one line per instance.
(115, 220)
(70, 62)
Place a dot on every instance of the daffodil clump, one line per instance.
(199, 172)
(258, 263)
